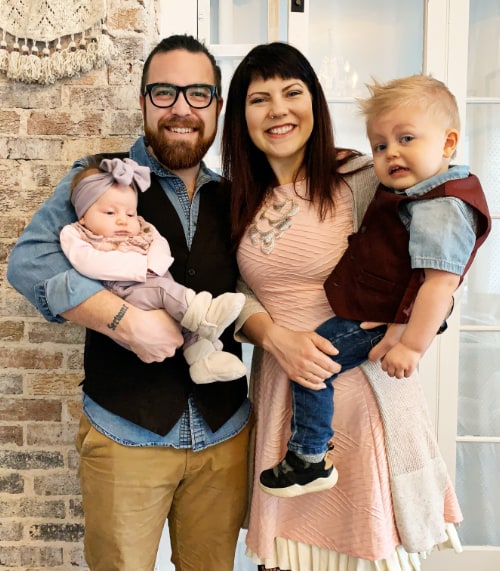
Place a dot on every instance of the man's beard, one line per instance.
(180, 155)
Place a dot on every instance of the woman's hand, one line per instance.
(303, 355)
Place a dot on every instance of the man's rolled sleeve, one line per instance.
(37, 266)
(64, 291)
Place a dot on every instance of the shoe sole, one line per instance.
(318, 485)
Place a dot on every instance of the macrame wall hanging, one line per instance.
(45, 40)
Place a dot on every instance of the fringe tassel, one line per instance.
(71, 65)
(29, 64)
(4, 55)
(25, 64)
(105, 48)
(84, 56)
(46, 72)
(57, 61)
(13, 63)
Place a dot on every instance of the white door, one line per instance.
(468, 374)
(230, 29)
(457, 41)
(348, 43)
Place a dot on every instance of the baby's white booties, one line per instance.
(207, 364)
(207, 316)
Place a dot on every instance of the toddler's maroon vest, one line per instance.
(155, 395)
(373, 280)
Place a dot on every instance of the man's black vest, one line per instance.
(155, 395)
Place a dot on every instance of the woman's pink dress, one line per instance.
(285, 263)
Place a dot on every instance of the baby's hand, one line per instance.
(400, 361)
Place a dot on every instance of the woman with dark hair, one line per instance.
(295, 200)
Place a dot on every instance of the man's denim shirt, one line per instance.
(40, 271)
(442, 230)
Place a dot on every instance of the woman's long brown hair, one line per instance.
(245, 168)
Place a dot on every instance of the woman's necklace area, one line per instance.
(272, 220)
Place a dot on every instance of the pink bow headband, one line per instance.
(115, 171)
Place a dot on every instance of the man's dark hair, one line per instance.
(181, 42)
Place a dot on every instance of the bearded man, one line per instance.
(153, 445)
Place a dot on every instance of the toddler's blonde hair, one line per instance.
(423, 91)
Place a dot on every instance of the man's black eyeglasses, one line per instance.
(197, 95)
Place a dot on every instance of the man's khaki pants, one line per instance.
(129, 492)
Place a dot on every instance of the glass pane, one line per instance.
(484, 49)
(242, 22)
(227, 64)
(349, 126)
(478, 470)
(478, 463)
(482, 138)
(349, 42)
(479, 384)
(481, 293)
(238, 26)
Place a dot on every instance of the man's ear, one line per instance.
(451, 142)
(220, 103)
(142, 102)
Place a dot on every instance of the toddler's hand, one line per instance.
(400, 361)
(391, 337)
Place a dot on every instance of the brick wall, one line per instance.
(42, 130)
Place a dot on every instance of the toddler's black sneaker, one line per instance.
(295, 477)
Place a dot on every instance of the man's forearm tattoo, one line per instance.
(118, 317)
